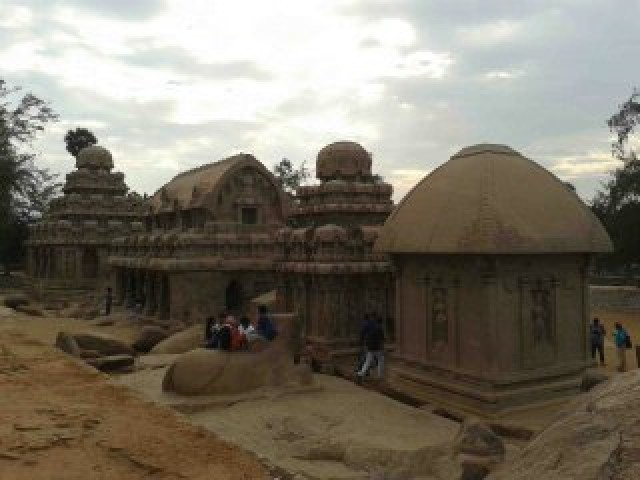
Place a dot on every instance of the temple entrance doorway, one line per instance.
(233, 296)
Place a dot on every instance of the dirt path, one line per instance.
(60, 420)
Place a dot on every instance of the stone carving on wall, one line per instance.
(439, 317)
(538, 316)
(541, 316)
(441, 298)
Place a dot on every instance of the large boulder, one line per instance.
(30, 310)
(181, 342)
(595, 437)
(478, 448)
(15, 300)
(204, 371)
(104, 344)
(67, 344)
(591, 378)
(111, 363)
(148, 338)
(476, 438)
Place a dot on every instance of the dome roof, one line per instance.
(343, 159)
(94, 156)
(490, 199)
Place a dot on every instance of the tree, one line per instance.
(290, 178)
(617, 204)
(78, 139)
(25, 189)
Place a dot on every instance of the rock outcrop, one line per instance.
(104, 344)
(595, 438)
(68, 344)
(478, 448)
(148, 338)
(30, 310)
(111, 363)
(15, 300)
(203, 371)
(181, 342)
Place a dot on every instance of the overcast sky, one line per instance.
(170, 84)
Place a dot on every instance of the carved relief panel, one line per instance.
(441, 306)
(537, 307)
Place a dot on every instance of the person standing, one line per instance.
(264, 325)
(108, 301)
(375, 351)
(368, 324)
(212, 332)
(621, 339)
(597, 340)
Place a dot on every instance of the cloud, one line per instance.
(168, 84)
(489, 34)
(589, 164)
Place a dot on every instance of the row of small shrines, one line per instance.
(445, 269)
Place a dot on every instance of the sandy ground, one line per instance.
(334, 430)
(61, 420)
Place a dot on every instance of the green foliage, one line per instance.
(25, 189)
(78, 139)
(290, 178)
(617, 204)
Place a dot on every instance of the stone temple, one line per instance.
(329, 273)
(480, 273)
(491, 255)
(209, 242)
(68, 249)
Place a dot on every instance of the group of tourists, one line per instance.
(621, 339)
(227, 333)
(372, 346)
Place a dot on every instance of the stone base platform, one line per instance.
(465, 397)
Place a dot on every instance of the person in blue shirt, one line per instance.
(621, 339)
(264, 325)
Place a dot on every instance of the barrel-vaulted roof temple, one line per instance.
(480, 273)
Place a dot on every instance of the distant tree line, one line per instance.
(617, 204)
(25, 187)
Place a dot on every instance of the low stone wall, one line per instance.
(615, 298)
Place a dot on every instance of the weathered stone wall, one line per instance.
(492, 318)
(615, 298)
(196, 295)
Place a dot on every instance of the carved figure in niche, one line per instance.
(440, 320)
(541, 316)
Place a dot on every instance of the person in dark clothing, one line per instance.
(265, 326)
(375, 350)
(368, 324)
(212, 332)
(108, 300)
(597, 340)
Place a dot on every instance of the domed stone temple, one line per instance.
(68, 249)
(491, 255)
